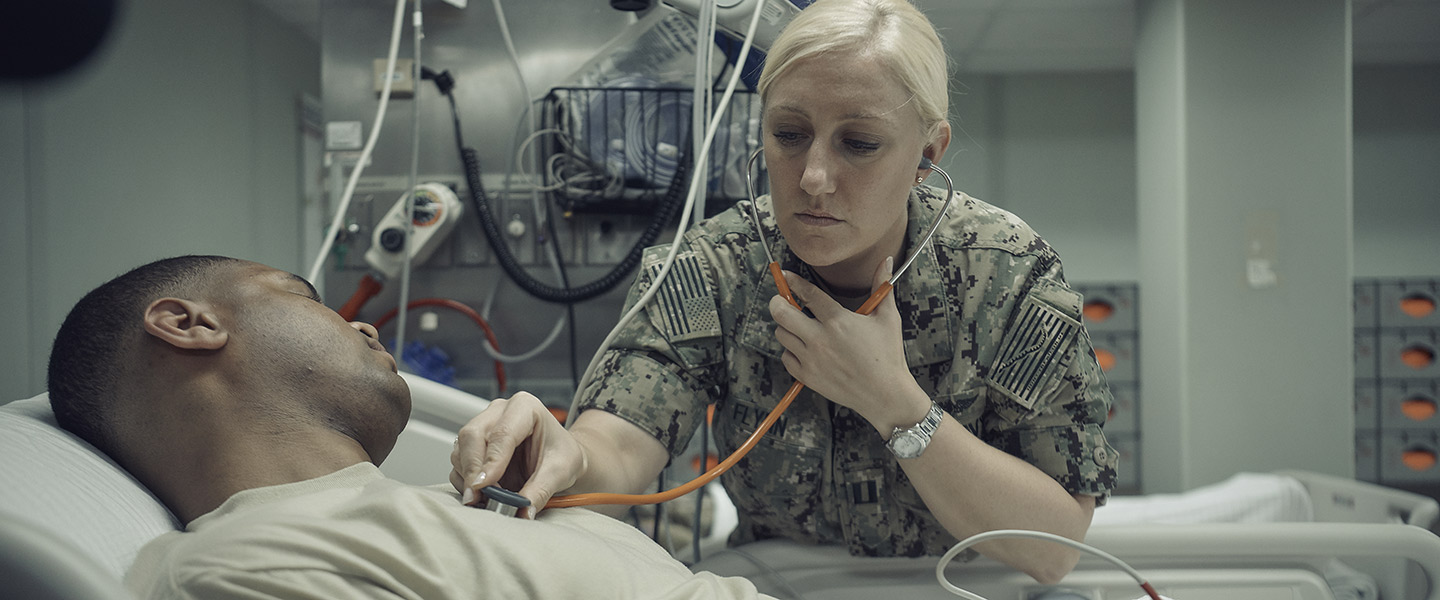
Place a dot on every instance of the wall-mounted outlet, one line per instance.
(516, 222)
(402, 83)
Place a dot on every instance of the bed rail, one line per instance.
(1271, 542)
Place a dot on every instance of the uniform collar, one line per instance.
(920, 295)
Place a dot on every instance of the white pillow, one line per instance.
(60, 483)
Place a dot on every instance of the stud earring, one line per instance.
(919, 180)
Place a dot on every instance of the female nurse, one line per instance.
(968, 401)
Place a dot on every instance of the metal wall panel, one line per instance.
(553, 40)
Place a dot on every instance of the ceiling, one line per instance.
(1027, 35)
(1076, 35)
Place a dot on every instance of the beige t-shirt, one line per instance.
(356, 534)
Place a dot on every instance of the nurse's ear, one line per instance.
(935, 150)
(185, 324)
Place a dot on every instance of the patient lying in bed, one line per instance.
(258, 416)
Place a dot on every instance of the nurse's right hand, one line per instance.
(517, 444)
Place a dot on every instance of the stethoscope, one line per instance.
(879, 293)
(784, 289)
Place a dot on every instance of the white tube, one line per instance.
(1020, 533)
(537, 208)
(314, 275)
(417, 22)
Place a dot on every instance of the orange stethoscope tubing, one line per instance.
(784, 290)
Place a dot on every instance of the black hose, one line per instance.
(568, 295)
(470, 159)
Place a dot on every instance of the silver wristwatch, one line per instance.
(910, 442)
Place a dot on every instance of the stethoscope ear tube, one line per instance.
(925, 163)
(939, 217)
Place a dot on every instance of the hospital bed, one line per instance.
(71, 522)
(1290, 534)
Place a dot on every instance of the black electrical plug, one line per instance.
(443, 80)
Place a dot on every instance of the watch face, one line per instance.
(906, 445)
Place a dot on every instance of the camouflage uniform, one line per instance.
(991, 333)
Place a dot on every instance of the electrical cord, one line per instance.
(701, 96)
(562, 295)
(529, 354)
(540, 209)
(564, 282)
(343, 208)
(512, 267)
(1025, 533)
(569, 308)
(445, 83)
(417, 21)
(568, 295)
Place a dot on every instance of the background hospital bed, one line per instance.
(1186, 562)
(71, 522)
(1344, 540)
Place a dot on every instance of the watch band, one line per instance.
(910, 442)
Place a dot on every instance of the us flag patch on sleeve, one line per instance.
(1030, 353)
(684, 308)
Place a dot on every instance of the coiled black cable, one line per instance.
(570, 295)
(470, 160)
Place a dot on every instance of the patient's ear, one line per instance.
(185, 324)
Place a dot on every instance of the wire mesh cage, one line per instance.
(617, 150)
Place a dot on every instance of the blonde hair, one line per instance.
(893, 31)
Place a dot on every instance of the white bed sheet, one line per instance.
(1243, 498)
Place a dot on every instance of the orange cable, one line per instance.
(694, 484)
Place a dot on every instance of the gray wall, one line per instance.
(1244, 157)
(1397, 171)
(180, 136)
(1059, 150)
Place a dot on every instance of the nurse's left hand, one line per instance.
(857, 361)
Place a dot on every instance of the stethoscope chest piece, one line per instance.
(503, 501)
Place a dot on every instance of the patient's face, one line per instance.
(333, 369)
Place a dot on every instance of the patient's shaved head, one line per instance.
(88, 361)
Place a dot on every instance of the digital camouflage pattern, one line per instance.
(991, 332)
